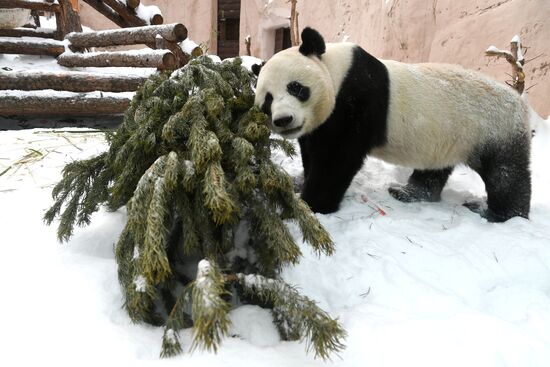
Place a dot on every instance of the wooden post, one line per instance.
(32, 103)
(294, 30)
(12, 45)
(69, 81)
(160, 59)
(67, 19)
(129, 36)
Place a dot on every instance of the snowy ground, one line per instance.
(427, 284)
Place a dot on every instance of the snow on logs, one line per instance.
(128, 36)
(31, 46)
(69, 81)
(63, 103)
(160, 59)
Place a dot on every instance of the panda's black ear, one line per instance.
(257, 67)
(312, 43)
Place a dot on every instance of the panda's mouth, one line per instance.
(290, 133)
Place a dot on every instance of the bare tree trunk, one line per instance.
(70, 81)
(294, 30)
(515, 59)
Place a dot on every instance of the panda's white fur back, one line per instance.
(439, 114)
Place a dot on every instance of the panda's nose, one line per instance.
(283, 121)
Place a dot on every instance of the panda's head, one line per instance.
(295, 88)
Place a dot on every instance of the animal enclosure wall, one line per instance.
(414, 30)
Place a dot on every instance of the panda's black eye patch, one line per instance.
(266, 106)
(298, 90)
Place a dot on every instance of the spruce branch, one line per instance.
(299, 314)
(210, 311)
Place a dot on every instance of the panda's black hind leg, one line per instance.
(507, 179)
(423, 185)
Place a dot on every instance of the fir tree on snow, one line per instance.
(191, 162)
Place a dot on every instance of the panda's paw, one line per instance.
(411, 193)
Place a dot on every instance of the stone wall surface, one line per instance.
(407, 30)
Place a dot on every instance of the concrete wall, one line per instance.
(406, 30)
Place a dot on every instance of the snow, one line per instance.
(147, 12)
(141, 283)
(188, 45)
(255, 325)
(493, 49)
(64, 94)
(428, 284)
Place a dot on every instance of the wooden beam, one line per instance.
(28, 32)
(109, 13)
(70, 81)
(62, 103)
(128, 14)
(33, 5)
(160, 59)
(26, 46)
(129, 36)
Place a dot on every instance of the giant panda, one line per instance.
(342, 104)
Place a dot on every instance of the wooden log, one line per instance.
(38, 46)
(62, 103)
(128, 14)
(70, 81)
(28, 32)
(67, 19)
(163, 44)
(33, 5)
(109, 13)
(130, 36)
(160, 59)
(132, 3)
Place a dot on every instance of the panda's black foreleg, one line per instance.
(423, 185)
(327, 182)
(507, 179)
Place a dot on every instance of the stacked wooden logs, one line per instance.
(81, 93)
(165, 54)
(67, 20)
